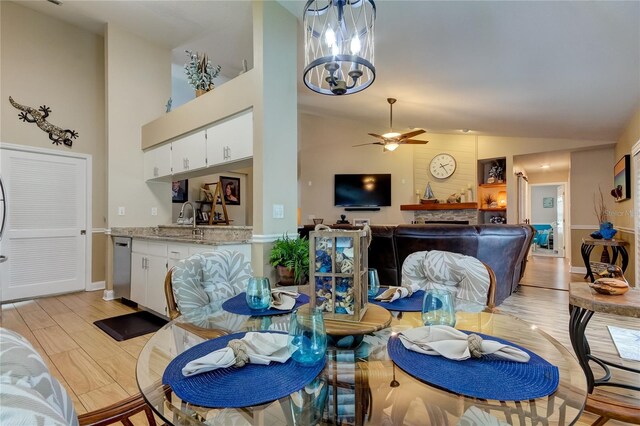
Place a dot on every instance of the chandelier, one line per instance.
(338, 45)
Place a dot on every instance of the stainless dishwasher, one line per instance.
(122, 268)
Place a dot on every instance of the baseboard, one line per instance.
(96, 285)
(578, 270)
(108, 295)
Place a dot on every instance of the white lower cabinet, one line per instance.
(148, 270)
(151, 260)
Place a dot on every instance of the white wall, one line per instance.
(326, 149)
(540, 214)
(138, 86)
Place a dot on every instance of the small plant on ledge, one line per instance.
(291, 258)
(200, 72)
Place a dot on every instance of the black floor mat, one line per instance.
(132, 325)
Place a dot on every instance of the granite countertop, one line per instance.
(211, 235)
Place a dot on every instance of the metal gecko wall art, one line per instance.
(39, 116)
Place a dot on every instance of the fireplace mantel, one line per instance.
(440, 206)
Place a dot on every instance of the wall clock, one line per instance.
(442, 166)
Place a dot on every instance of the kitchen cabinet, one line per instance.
(148, 270)
(231, 140)
(189, 153)
(157, 163)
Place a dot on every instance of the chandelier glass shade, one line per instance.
(339, 45)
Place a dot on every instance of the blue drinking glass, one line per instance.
(258, 293)
(307, 336)
(307, 404)
(374, 282)
(438, 308)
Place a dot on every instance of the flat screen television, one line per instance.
(363, 190)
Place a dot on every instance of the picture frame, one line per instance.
(180, 191)
(205, 216)
(230, 190)
(361, 222)
(622, 178)
(547, 202)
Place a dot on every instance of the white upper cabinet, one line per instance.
(189, 153)
(157, 163)
(231, 140)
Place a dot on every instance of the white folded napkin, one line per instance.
(283, 299)
(395, 293)
(454, 344)
(255, 348)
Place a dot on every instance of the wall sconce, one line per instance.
(502, 199)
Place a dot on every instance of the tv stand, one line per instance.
(362, 209)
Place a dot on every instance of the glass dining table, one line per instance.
(362, 385)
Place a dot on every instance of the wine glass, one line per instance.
(307, 336)
(438, 308)
(374, 282)
(259, 293)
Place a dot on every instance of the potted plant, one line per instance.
(290, 256)
(200, 72)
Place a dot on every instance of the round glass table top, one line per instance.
(362, 385)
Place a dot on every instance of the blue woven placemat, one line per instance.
(238, 305)
(236, 387)
(412, 303)
(488, 377)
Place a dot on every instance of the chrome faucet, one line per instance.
(195, 231)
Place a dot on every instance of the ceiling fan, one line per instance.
(391, 140)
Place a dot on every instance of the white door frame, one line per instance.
(567, 222)
(635, 150)
(89, 185)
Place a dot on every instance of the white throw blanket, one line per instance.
(453, 344)
(284, 300)
(395, 293)
(261, 348)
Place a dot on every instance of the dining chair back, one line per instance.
(204, 279)
(31, 395)
(471, 281)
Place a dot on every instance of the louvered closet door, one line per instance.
(46, 215)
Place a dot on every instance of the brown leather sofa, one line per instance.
(503, 247)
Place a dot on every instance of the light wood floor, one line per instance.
(97, 370)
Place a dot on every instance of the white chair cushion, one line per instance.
(464, 276)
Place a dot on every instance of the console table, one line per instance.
(617, 246)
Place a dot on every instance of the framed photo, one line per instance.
(361, 222)
(230, 190)
(205, 216)
(547, 202)
(622, 179)
(179, 191)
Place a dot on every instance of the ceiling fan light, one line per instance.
(342, 32)
(391, 146)
(391, 135)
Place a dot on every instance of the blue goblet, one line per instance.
(258, 293)
(307, 336)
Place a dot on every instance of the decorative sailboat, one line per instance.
(428, 197)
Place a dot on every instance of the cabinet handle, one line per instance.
(228, 153)
(187, 163)
(156, 171)
(142, 261)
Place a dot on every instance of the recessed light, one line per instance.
(545, 166)
(465, 130)
(56, 2)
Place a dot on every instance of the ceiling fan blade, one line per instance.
(411, 134)
(376, 136)
(414, 142)
(369, 143)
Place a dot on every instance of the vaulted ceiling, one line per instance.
(535, 69)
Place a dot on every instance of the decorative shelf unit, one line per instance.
(489, 212)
